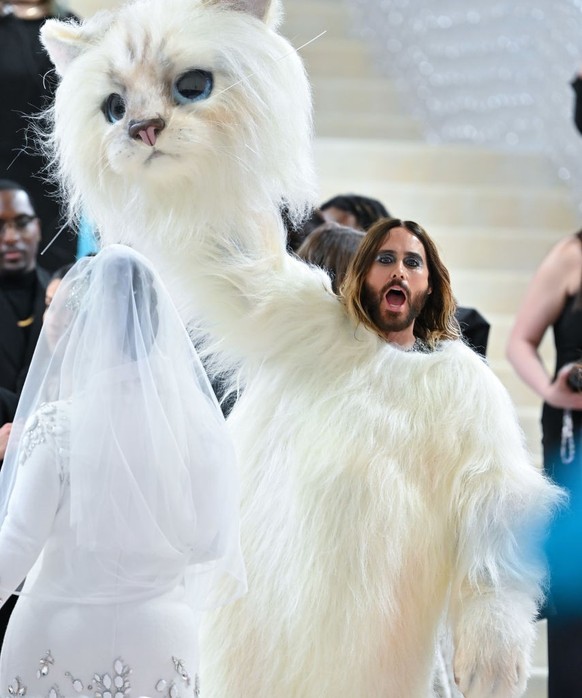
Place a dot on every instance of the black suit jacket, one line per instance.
(15, 353)
(474, 328)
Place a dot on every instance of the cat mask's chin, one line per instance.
(153, 165)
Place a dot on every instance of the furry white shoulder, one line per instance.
(380, 488)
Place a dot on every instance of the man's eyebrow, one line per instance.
(416, 255)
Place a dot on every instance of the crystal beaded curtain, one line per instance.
(485, 72)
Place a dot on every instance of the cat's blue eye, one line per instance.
(192, 86)
(113, 108)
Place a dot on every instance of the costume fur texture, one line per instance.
(381, 488)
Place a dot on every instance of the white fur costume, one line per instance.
(379, 487)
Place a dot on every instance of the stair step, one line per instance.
(521, 394)
(501, 324)
(358, 95)
(313, 17)
(438, 204)
(492, 290)
(537, 686)
(494, 250)
(86, 8)
(330, 57)
(367, 126)
(418, 162)
(529, 420)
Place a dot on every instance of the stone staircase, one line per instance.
(494, 214)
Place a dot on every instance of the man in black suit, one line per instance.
(22, 292)
(22, 303)
(28, 83)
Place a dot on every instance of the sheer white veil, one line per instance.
(154, 496)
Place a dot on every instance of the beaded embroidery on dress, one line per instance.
(112, 684)
(50, 420)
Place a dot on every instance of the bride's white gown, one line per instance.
(146, 646)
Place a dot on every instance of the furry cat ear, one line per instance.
(270, 11)
(64, 41)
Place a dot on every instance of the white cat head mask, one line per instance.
(180, 103)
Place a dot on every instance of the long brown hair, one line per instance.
(331, 246)
(436, 321)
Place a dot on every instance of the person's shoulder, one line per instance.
(563, 263)
(457, 357)
(455, 349)
(566, 249)
(44, 426)
(50, 415)
(471, 372)
(459, 350)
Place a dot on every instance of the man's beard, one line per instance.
(388, 322)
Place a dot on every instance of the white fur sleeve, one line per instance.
(501, 506)
(262, 306)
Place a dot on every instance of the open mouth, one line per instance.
(395, 298)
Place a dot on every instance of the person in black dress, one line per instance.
(554, 299)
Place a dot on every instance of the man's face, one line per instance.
(397, 284)
(19, 232)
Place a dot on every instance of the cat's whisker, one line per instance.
(315, 38)
(59, 231)
(19, 152)
(285, 55)
(45, 79)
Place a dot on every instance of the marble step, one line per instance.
(373, 125)
(540, 654)
(501, 324)
(300, 15)
(303, 15)
(529, 419)
(87, 8)
(521, 394)
(445, 204)
(393, 161)
(304, 18)
(520, 249)
(492, 291)
(332, 57)
(537, 686)
(361, 95)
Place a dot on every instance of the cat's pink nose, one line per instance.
(148, 129)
